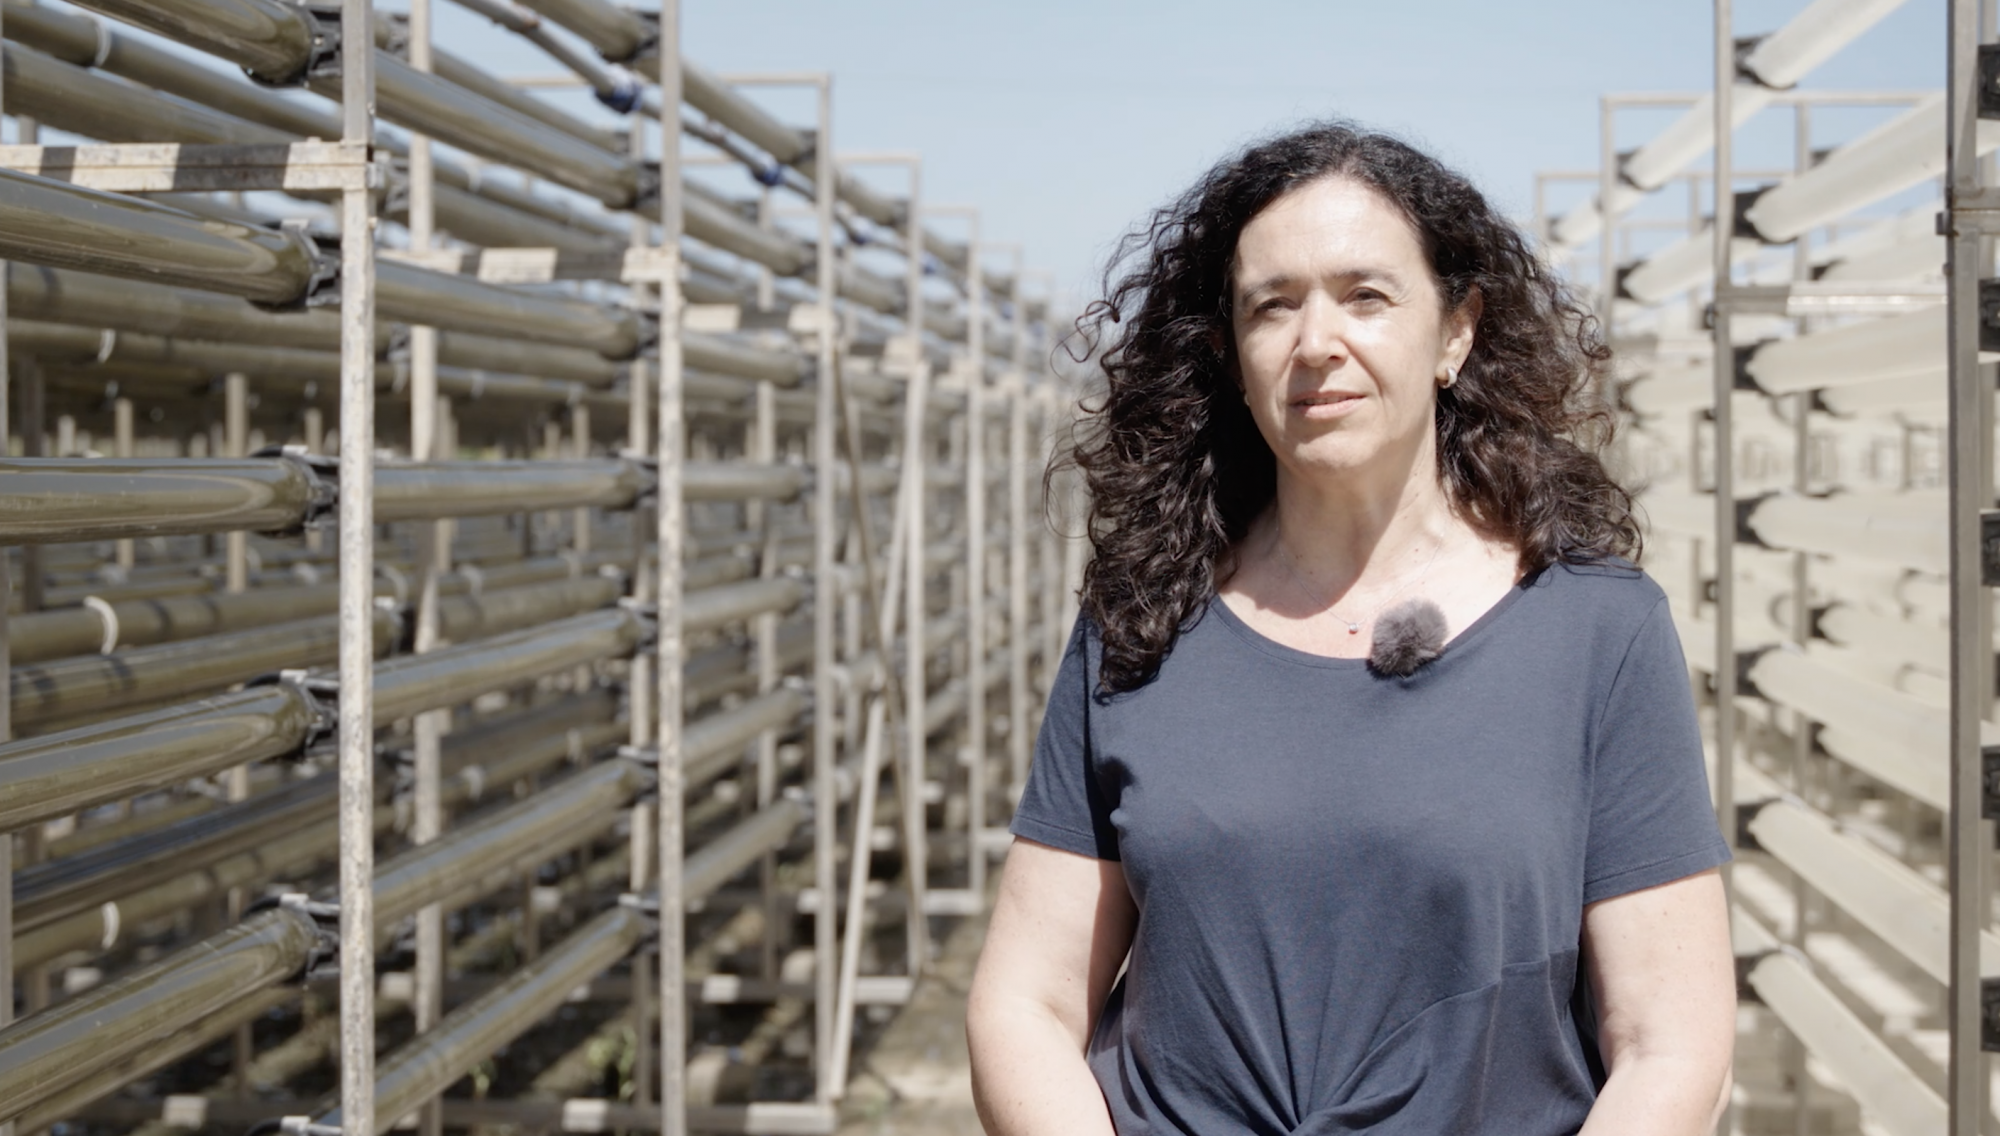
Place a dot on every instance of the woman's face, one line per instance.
(1340, 332)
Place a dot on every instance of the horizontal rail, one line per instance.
(64, 226)
(101, 1028)
(427, 1066)
(484, 854)
(62, 632)
(714, 607)
(102, 685)
(78, 499)
(62, 296)
(42, 1054)
(472, 489)
(710, 745)
(740, 481)
(87, 1091)
(721, 859)
(58, 774)
(64, 905)
(1891, 899)
(48, 222)
(446, 677)
(1895, 1097)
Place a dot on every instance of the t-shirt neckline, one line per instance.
(1270, 646)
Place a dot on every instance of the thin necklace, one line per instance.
(1353, 627)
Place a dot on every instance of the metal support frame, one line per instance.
(1840, 701)
(1972, 218)
(669, 812)
(442, 376)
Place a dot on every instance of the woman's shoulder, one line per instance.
(1610, 592)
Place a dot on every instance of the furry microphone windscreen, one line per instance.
(1406, 637)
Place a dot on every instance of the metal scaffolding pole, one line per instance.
(975, 565)
(1972, 210)
(434, 559)
(1724, 434)
(826, 591)
(357, 590)
(151, 329)
(671, 441)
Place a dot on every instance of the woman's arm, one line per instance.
(1665, 982)
(1059, 934)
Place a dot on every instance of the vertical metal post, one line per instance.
(357, 587)
(1074, 548)
(1018, 708)
(975, 566)
(121, 446)
(916, 450)
(34, 407)
(1693, 227)
(1055, 632)
(236, 440)
(1725, 473)
(761, 518)
(579, 436)
(826, 596)
(672, 936)
(6, 663)
(312, 432)
(1797, 1071)
(764, 450)
(433, 560)
(641, 688)
(1971, 430)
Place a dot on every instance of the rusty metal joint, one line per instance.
(648, 615)
(648, 906)
(649, 37)
(647, 190)
(323, 917)
(322, 474)
(323, 61)
(648, 467)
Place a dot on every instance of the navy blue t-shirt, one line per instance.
(1360, 897)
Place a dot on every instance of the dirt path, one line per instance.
(917, 1079)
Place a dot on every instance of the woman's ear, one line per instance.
(1460, 325)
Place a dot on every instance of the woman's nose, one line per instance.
(1322, 333)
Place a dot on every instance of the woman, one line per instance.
(1372, 762)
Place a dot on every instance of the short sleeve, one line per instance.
(1063, 804)
(1651, 818)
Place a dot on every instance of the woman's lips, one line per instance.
(1326, 404)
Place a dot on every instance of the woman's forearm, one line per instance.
(1659, 1096)
(1028, 1077)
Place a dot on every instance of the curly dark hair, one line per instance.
(1175, 466)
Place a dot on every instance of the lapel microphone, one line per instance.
(1406, 637)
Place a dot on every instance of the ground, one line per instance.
(917, 1078)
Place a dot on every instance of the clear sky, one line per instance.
(1067, 121)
